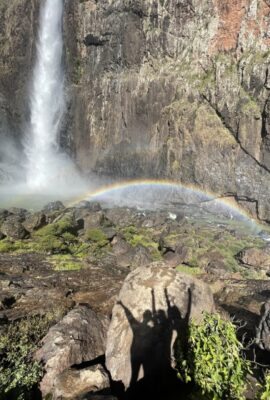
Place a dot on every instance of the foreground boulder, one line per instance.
(74, 384)
(78, 338)
(263, 331)
(155, 306)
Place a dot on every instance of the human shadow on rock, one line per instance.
(151, 350)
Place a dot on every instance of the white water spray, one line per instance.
(47, 166)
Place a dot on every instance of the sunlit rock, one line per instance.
(154, 308)
(79, 337)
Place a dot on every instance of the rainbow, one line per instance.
(206, 196)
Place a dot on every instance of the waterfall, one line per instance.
(46, 164)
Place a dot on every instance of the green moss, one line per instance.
(19, 246)
(65, 224)
(55, 237)
(252, 58)
(69, 237)
(207, 80)
(251, 107)
(142, 237)
(193, 262)
(80, 250)
(65, 263)
(129, 231)
(203, 246)
(188, 270)
(6, 246)
(97, 236)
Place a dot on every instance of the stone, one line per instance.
(142, 256)
(53, 206)
(92, 40)
(173, 259)
(79, 337)
(255, 257)
(34, 221)
(243, 299)
(21, 212)
(120, 246)
(110, 233)
(75, 383)
(154, 307)
(121, 216)
(89, 205)
(263, 330)
(3, 215)
(13, 228)
(92, 219)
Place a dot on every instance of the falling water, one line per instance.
(46, 163)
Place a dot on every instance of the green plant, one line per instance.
(265, 392)
(55, 237)
(64, 262)
(188, 270)
(18, 371)
(212, 359)
(97, 236)
(142, 237)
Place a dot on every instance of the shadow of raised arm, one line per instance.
(167, 298)
(128, 313)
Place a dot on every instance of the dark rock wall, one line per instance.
(176, 89)
(18, 24)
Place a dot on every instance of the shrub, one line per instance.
(18, 371)
(265, 392)
(212, 359)
(97, 236)
(55, 237)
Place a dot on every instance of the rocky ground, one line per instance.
(61, 259)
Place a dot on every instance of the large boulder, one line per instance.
(154, 307)
(53, 206)
(263, 331)
(13, 228)
(3, 215)
(78, 338)
(74, 383)
(256, 257)
(34, 221)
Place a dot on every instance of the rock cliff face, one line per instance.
(18, 24)
(176, 89)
